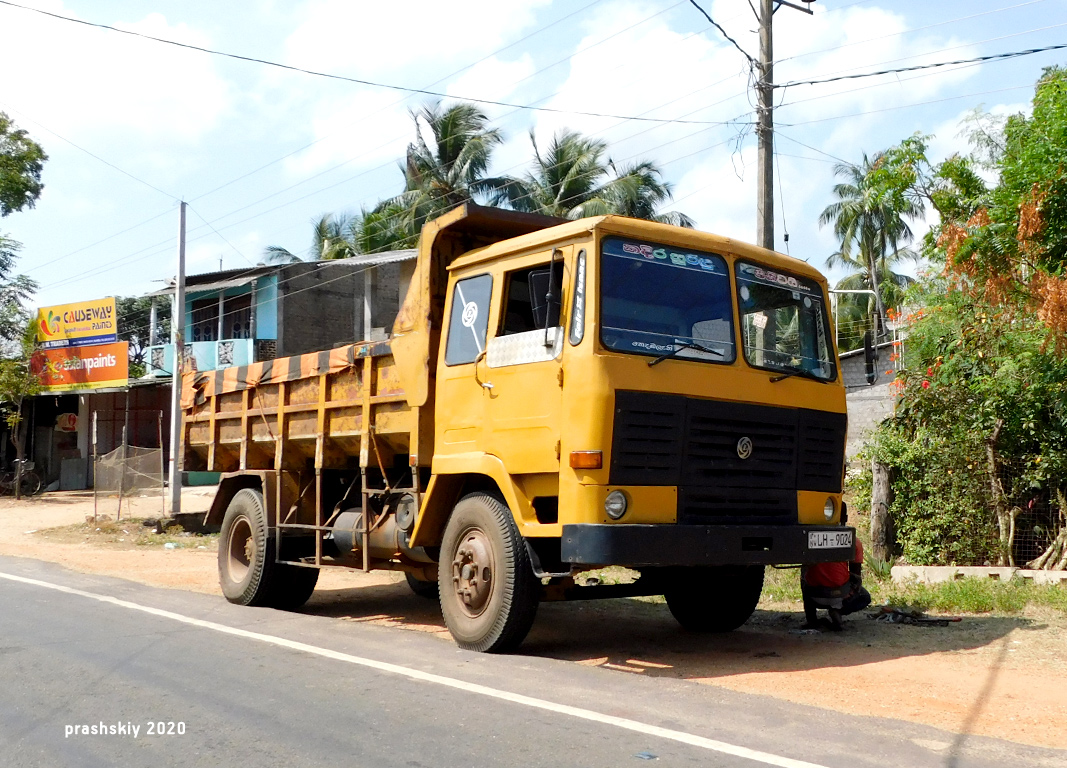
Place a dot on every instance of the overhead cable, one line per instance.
(358, 81)
(976, 60)
(723, 32)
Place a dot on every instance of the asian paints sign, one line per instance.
(76, 369)
(77, 325)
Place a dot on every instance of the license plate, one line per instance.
(829, 539)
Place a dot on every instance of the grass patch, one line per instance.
(971, 595)
(130, 533)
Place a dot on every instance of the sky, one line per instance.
(132, 126)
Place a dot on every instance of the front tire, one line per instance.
(248, 574)
(716, 599)
(489, 594)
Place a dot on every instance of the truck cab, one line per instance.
(645, 396)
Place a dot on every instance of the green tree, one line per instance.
(16, 291)
(134, 322)
(575, 178)
(870, 225)
(978, 442)
(21, 161)
(18, 382)
(331, 239)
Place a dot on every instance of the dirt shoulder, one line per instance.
(998, 676)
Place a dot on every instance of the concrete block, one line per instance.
(935, 574)
(1042, 577)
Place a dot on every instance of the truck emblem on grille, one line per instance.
(744, 447)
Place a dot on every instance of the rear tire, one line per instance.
(489, 594)
(248, 574)
(715, 599)
(428, 589)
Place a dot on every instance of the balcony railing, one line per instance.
(204, 355)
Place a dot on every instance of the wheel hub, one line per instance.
(242, 549)
(472, 572)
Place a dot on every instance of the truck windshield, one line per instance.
(784, 325)
(657, 299)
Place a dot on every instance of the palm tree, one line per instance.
(561, 180)
(574, 179)
(332, 239)
(870, 229)
(450, 169)
(854, 311)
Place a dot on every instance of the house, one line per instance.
(243, 316)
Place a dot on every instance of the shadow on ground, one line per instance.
(641, 636)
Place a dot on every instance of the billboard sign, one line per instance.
(80, 369)
(77, 325)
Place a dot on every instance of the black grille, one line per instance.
(693, 444)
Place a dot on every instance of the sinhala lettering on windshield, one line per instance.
(663, 255)
(777, 279)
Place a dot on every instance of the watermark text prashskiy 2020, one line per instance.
(127, 729)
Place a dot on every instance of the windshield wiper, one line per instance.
(792, 370)
(680, 347)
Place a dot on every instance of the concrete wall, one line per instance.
(868, 404)
(316, 307)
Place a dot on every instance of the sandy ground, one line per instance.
(997, 676)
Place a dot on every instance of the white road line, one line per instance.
(395, 669)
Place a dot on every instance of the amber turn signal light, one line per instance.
(587, 459)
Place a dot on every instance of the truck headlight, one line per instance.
(828, 508)
(615, 504)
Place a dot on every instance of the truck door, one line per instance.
(522, 366)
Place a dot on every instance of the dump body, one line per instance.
(323, 410)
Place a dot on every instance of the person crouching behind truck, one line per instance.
(837, 587)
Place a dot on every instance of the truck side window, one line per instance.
(578, 307)
(525, 307)
(469, 320)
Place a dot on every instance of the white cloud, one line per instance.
(418, 36)
(83, 82)
(362, 129)
(492, 79)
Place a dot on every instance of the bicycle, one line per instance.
(30, 482)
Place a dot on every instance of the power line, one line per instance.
(98, 242)
(908, 31)
(977, 60)
(723, 32)
(969, 44)
(358, 81)
(908, 106)
(208, 223)
(400, 101)
(813, 149)
(94, 156)
(385, 164)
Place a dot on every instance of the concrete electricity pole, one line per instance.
(765, 121)
(177, 323)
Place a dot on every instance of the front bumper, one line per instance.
(666, 544)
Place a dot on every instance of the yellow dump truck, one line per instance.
(554, 397)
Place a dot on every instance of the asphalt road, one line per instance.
(254, 686)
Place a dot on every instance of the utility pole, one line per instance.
(177, 322)
(765, 121)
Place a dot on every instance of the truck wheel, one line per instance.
(489, 594)
(718, 599)
(245, 560)
(427, 589)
